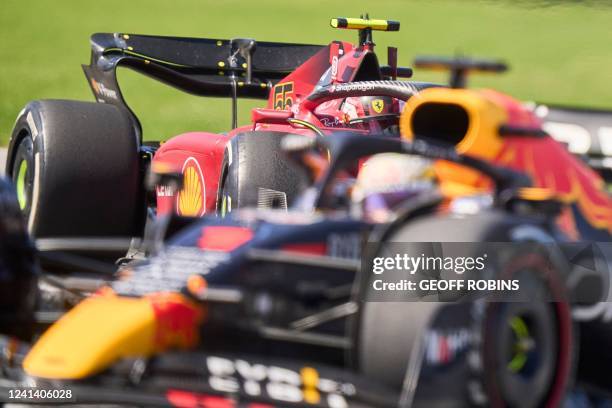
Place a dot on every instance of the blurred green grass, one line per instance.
(559, 52)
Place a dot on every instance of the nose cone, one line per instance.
(92, 336)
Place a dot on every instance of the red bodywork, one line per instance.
(552, 166)
(199, 155)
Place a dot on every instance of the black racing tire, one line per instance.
(390, 326)
(76, 168)
(256, 173)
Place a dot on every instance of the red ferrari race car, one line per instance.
(79, 166)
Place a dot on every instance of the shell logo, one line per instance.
(192, 198)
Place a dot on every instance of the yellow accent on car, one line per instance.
(190, 200)
(462, 117)
(136, 54)
(306, 125)
(453, 189)
(536, 193)
(378, 105)
(310, 380)
(162, 167)
(196, 285)
(94, 334)
(481, 135)
(362, 23)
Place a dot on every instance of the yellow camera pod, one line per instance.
(362, 23)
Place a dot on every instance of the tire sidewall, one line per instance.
(228, 193)
(255, 160)
(28, 126)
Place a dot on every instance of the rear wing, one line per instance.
(586, 132)
(200, 66)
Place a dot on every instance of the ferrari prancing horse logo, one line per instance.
(191, 200)
(378, 105)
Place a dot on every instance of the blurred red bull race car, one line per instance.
(275, 308)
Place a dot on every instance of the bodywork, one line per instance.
(285, 75)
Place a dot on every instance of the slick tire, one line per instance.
(256, 173)
(391, 327)
(76, 169)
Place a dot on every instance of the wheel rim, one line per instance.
(226, 205)
(226, 200)
(223, 205)
(20, 184)
(523, 337)
(22, 172)
(523, 345)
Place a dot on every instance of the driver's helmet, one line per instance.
(376, 114)
(379, 113)
(388, 179)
